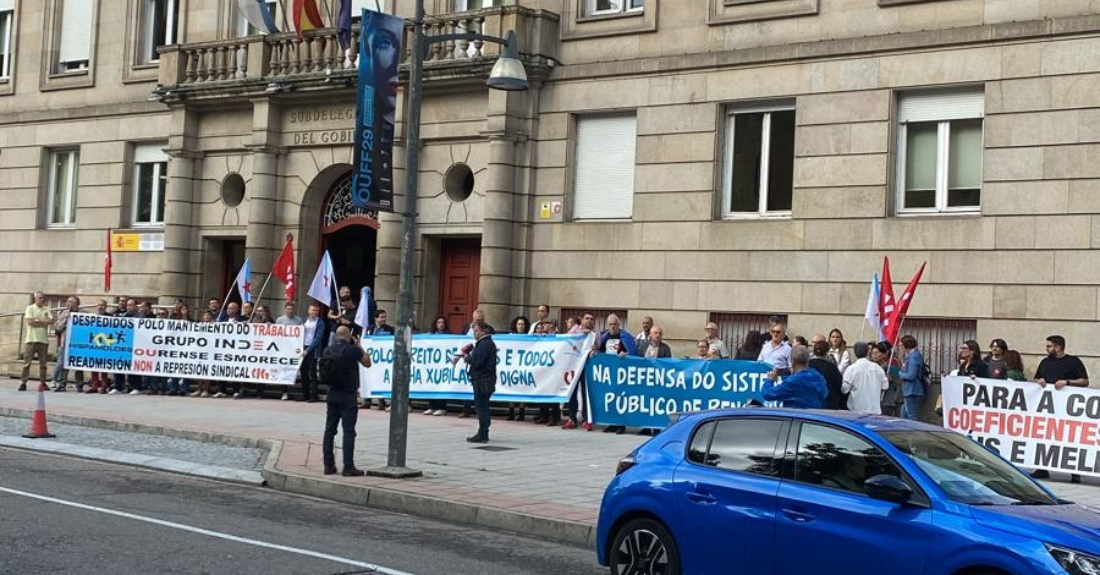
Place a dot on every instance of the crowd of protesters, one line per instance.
(821, 372)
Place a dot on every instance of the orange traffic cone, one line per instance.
(38, 422)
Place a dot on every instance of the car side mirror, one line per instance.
(888, 488)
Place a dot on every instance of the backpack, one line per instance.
(925, 376)
(329, 364)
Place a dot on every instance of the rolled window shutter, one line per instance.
(939, 106)
(603, 183)
(76, 31)
(147, 153)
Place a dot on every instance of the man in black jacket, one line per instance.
(340, 372)
(481, 362)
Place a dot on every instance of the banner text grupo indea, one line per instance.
(243, 352)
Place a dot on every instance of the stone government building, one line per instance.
(690, 160)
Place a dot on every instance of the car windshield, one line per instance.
(966, 471)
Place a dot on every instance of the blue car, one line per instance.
(800, 492)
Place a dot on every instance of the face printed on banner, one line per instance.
(384, 61)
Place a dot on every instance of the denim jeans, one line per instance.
(481, 405)
(578, 399)
(911, 408)
(344, 414)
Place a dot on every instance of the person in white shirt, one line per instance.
(643, 336)
(864, 382)
(542, 315)
(715, 346)
(777, 351)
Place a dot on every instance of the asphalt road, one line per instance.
(60, 515)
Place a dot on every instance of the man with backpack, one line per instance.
(339, 368)
(914, 378)
(481, 362)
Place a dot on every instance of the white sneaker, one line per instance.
(286, 396)
(237, 395)
(205, 394)
(135, 392)
(219, 394)
(195, 394)
(387, 409)
(112, 392)
(429, 411)
(439, 412)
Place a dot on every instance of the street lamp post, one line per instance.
(507, 74)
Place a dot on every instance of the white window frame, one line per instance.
(7, 22)
(149, 154)
(54, 195)
(765, 164)
(464, 5)
(147, 14)
(943, 162)
(628, 7)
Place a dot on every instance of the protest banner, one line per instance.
(1034, 427)
(530, 368)
(243, 352)
(639, 392)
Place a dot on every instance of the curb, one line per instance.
(581, 534)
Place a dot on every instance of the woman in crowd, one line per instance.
(838, 350)
(892, 398)
(750, 348)
(1014, 366)
(799, 340)
(970, 360)
(202, 386)
(995, 361)
(520, 325)
(549, 413)
(438, 407)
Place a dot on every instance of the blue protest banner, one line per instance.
(100, 343)
(379, 56)
(639, 392)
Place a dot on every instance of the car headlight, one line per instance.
(1075, 562)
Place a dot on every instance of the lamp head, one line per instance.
(508, 73)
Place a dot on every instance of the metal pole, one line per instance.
(402, 360)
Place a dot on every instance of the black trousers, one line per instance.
(309, 376)
(481, 405)
(344, 414)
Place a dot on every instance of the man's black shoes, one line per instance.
(330, 471)
(477, 439)
(352, 472)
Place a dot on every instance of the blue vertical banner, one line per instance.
(379, 55)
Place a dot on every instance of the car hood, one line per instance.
(1073, 525)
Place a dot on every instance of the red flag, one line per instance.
(107, 265)
(903, 307)
(886, 299)
(284, 268)
(306, 16)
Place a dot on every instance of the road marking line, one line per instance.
(201, 531)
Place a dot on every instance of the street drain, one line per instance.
(495, 448)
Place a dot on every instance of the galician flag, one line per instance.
(871, 315)
(244, 281)
(324, 282)
(364, 315)
(258, 15)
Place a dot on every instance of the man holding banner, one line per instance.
(1061, 369)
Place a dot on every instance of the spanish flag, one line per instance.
(306, 16)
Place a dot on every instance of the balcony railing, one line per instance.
(316, 57)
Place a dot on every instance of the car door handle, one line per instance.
(704, 498)
(798, 516)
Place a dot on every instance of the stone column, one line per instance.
(498, 231)
(261, 241)
(179, 232)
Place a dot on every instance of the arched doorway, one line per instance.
(350, 235)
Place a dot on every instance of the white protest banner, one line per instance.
(1034, 427)
(244, 352)
(531, 368)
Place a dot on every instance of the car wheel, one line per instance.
(644, 547)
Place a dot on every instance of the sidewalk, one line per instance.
(531, 478)
(536, 480)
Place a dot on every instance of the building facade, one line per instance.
(693, 161)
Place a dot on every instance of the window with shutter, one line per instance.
(149, 184)
(603, 175)
(939, 164)
(74, 47)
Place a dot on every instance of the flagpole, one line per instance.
(225, 301)
(256, 302)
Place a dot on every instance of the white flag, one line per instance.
(258, 15)
(872, 315)
(324, 282)
(362, 315)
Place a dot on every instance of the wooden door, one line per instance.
(460, 268)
